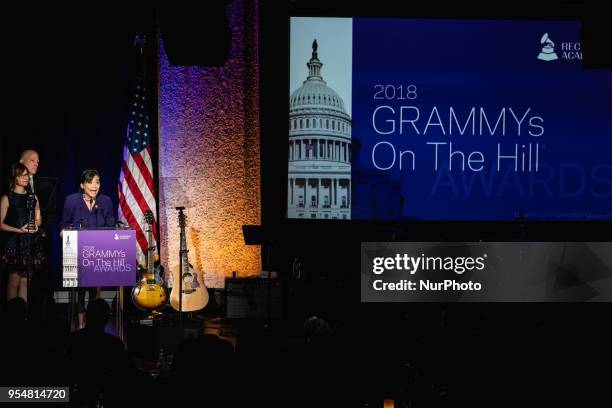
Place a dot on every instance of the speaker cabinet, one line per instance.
(145, 338)
(253, 298)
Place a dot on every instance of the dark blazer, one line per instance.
(77, 215)
(45, 188)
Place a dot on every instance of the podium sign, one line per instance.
(98, 258)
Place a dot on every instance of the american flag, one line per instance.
(136, 191)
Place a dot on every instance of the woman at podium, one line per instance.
(87, 210)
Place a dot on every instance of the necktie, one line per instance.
(32, 183)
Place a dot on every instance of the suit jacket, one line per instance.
(45, 188)
(77, 215)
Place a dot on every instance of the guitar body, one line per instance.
(195, 293)
(150, 293)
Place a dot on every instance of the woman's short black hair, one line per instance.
(88, 175)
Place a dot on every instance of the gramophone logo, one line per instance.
(548, 49)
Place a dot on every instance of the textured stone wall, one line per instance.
(209, 154)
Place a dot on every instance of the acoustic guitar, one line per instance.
(150, 292)
(194, 294)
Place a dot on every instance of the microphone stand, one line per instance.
(74, 291)
(181, 253)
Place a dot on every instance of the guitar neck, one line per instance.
(190, 294)
(185, 259)
(150, 250)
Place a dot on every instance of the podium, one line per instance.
(100, 257)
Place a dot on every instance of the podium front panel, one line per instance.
(94, 258)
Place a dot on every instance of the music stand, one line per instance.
(258, 235)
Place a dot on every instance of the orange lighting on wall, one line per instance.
(209, 154)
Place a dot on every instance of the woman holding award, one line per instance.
(20, 218)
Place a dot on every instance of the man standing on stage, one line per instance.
(44, 188)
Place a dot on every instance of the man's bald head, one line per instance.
(29, 158)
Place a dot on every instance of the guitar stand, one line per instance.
(155, 315)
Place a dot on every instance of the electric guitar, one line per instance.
(194, 293)
(150, 292)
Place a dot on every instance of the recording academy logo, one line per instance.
(548, 49)
(117, 237)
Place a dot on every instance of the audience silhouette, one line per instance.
(98, 364)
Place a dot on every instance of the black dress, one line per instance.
(21, 252)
